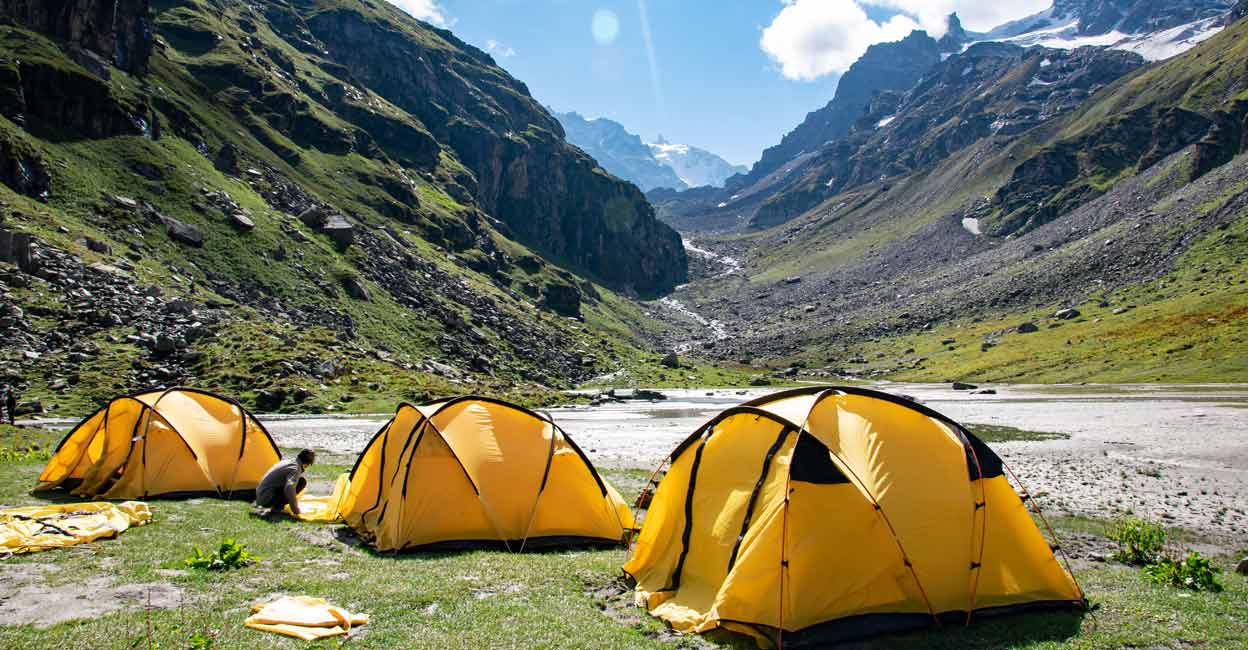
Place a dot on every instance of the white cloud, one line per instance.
(499, 49)
(427, 10)
(812, 38)
(976, 15)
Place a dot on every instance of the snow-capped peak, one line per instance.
(696, 167)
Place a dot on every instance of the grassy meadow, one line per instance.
(488, 599)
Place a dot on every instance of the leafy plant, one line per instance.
(202, 641)
(1140, 542)
(230, 555)
(11, 455)
(1194, 572)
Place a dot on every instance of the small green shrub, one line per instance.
(10, 455)
(1140, 542)
(1194, 572)
(230, 555)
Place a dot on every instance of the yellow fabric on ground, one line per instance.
(40, 528)
(302, 617)
(324, 509)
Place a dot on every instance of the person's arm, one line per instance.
(291, 497)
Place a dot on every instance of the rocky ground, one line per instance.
(775, 308)
(1177, 454)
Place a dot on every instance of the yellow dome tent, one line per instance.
(165, 442)
(473, 470)
(826, 514)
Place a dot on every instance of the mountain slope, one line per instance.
(884, 67)
(253, 197)
(1129, 206)
(619, 152)
(1154, 30)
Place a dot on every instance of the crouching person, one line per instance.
(283, 482)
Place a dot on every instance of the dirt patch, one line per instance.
(615, 599)
(340, 539)
(26, 598)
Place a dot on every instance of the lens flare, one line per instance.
(605, 26)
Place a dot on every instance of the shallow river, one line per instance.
(1174, 452)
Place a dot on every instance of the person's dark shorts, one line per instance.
(279, 499)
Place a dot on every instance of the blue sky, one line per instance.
(731, 76)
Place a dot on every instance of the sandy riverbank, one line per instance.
(1177, 453)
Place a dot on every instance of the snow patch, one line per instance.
(971, 225)
(885, 122)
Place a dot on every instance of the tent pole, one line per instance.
(1040, 513)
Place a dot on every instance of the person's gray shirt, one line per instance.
(281, 474)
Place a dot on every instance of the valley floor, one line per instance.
(1177, 454)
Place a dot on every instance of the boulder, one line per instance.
(332, 224)
(241, 221)
(270, 399)
(32, 407)
(1027, 328)
(986, 391)
(227, 160)
(1066, 314)
(339, 230)
(793, 279)
(564, 299)
(356, 288)
(184, 233)
(1242, 567)
(957, 385)
(672, 360)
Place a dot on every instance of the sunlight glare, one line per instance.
(605, 26)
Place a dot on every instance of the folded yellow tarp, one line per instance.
(40, 528)
(303, 618)
(326, 509)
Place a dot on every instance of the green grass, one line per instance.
(1002, 433)
(487, 599)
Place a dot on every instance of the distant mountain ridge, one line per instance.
(1151, 29)
(696, 167)
(659, 165)
(618, 151)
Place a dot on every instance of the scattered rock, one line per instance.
(184, 233)
(241, 221)
(793, 279)
(672, 360)
(1067, 314)
(986, 391)
(355, 288)
(957, 385)
(1027, 328)
(1242, 567)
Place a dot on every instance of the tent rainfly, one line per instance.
(168, 442)
(474, 471)
(827, 514)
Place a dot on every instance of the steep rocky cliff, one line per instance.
(117, 30)
(268, 196)
(885, 67)
(992, 90)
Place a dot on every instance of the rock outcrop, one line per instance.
(117, 30)
(547, 193)
(885, 66)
